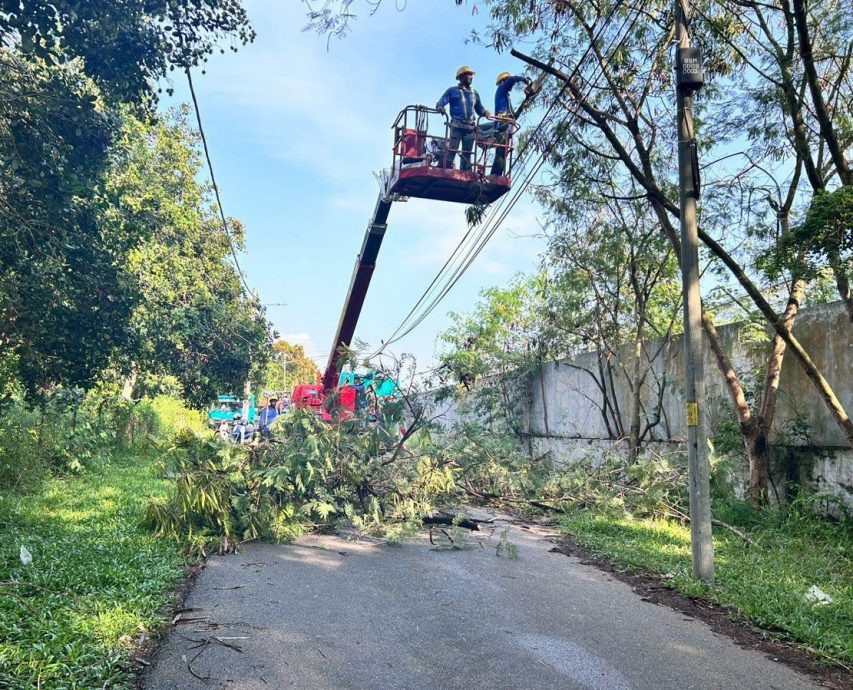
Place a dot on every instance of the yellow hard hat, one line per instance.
(464, 70)
(502, 76)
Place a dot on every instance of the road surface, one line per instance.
(335, 612)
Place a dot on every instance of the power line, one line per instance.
(457, 273)
(246, 288)
(499, 214)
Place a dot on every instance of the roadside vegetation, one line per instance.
(765, 583)
(83, 583)
(121, 307)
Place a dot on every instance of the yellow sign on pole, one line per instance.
(692, 414)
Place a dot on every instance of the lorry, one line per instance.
(229, 405)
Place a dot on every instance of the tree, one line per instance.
(615, 112)
(494, 349)
(614, 286)
(190, 318)
(288, 367)
(125, 46)
(65, 68)
(64, 301)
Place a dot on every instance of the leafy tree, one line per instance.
(495, 348)
(125, 46)
(288, 367)
(65, 298)
(613, 122)
(615, 290)
(190, 318)
(64, 301)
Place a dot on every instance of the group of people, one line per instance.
(242, 431)
(465, 106)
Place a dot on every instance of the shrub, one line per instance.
(71, 431)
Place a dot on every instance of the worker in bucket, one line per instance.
(503, 108)
(465, 106)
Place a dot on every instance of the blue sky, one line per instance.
(296, 134)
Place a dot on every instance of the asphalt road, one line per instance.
(332, 612)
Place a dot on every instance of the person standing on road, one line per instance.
(465, 105)
(503, 108)
(267, 417)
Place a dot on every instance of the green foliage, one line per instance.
(824, 238)
(190, 319)
(72, 223)
(64, 301)
(73, 431)
(310, 474)
(505, 548)
(493, 465)
(127, 45)
(98, 580)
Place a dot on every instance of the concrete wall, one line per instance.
(821, 459)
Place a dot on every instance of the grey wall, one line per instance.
(575, 425)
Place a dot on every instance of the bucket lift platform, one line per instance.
(421, 165)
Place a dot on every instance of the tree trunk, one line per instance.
(812, 372)
(758, 443)
(129, 384)
(757, 449)
(843, 285)
(544, 401)
(636, 384)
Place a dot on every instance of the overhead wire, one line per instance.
(245, 285)
(497, 211)
(502, 209)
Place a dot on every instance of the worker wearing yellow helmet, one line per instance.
(503, 108)
(465, 106)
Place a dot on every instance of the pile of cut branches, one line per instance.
(309, 475)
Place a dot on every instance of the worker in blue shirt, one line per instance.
(267, 417)
(503, 108)
(465, 105)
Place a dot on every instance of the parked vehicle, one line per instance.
(227, 407)
(307, 397)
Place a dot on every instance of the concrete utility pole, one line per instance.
(689, 78)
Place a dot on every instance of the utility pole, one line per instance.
(689, 79)
(284, 370)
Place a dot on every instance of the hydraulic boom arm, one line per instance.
(361, 276)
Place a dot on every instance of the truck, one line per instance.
(229, 405)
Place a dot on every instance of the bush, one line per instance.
(71, 431)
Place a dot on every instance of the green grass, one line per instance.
(96, 583)
(766, 585)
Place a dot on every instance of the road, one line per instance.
(335, 612)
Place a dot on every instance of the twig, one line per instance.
(735, 530)
(204, 644)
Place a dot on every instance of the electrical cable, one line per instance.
(499, 214)
(247, 290)
(498, 209)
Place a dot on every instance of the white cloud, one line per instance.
(303, 339)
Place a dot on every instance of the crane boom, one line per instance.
(360, 282)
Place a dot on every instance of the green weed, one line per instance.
(96, 582)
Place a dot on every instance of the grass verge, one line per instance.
(96, 582)
(765, 585)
